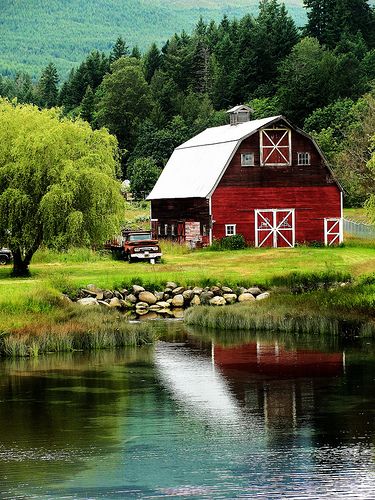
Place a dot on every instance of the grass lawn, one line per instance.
(32, 300)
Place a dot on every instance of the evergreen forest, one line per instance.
(320, 76)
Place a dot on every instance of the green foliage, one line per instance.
(299, 282)
(235, 242)
(47, 88)
(143, 174)
(57, 180)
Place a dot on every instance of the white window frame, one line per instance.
(173, 232)
(227, 226)
(306, 158)
(165, 229)
(244, 162)
(263, 160)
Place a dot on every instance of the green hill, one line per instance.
(36, 32)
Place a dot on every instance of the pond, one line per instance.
(198, 415)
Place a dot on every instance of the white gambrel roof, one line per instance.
(196, 166)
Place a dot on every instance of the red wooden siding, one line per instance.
(237, 205)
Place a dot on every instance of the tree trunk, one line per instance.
(20, 265)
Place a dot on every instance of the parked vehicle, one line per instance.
(136, 246)
(5, 256)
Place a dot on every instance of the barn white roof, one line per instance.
(196, 166)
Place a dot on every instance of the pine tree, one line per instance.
(88, 105)
(120, 49)
(151, 62)
(47, 87)
(136, 53)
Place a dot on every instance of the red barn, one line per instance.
(264, 179)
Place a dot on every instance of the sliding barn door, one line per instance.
(275, 228)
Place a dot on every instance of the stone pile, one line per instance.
(172, 297)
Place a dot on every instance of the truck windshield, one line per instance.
(140, 237)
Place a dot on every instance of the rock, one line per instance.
(94, 288)
(124, 291)
(88, 293)
(197, 290)
(156, 307)
(142, 312)
(230, 298)
(127, 304)
(168, 291)
(119, 295)
(100, 296)
(131, 298)
(240, 290)
(178, 300)
(115, 303)
(263, 296)
(163, 304)
(195, 301)
(159, 295)
(147, 315)
(65, 299)
(169, 302)
(137, 289)
(188, 295)
(226, 289)
(254, 291)
(178, 291)
(165, 311)
(246, 297)
(178, 313)
(205, 297)
(88, 302)
(217, 301)
(142, 305)
(215, 290)
(171, 285)
(107, 294)
(147, 297)
(103, 303)
(167, 296)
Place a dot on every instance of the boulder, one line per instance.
(115, 303)
(254, 291)
(178, 313)
(178, 291)
(216, 290)
(88, 302)
(147, 297)
(137, 289)
(171, 285)
(94, 288)
(195, 301)
(155, 307)
(131, 298)
(142, 305)
(197, 290)
(162, 304)
(100, 296)
(263, 296)
(103, 303)
(88, 293)
(206, 296)
(142, 312)
(246, 297)
(107, 294)
(226, 289)
(178, 300)
(217, 301)
(159, 295)
(118, 295)
(188, 295)
(230, 298)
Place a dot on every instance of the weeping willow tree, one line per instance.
(58, 182)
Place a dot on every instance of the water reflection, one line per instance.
(256, 417)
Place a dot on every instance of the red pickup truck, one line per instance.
(136, 246)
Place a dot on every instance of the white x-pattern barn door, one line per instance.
(333, 234)
(275, 228)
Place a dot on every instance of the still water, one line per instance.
(196, 416)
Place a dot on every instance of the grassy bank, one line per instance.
(304, 303)
(33, 304)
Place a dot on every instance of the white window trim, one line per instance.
(243, 164)
(234, 229)
(263, 161)
(308, 158)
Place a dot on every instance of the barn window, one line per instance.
(166, 229)
(204, 230)
(303, 158)
(230, 229)
(275, 146)
(247, 159)
(173, 230)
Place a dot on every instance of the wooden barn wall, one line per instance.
(312, 204)
(172, 211)
(315, 174)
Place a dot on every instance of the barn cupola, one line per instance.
(239, 114)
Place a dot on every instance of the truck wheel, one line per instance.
(130, 259)
(3, 260)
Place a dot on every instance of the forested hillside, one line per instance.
(321, 77)
(64, 32)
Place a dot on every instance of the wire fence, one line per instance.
(359, 229)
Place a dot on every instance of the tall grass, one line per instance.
(72, 255)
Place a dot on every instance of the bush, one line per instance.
(236, 242)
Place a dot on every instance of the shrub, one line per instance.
(235, 242)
